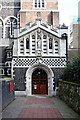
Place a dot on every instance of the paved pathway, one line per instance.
(38, 107)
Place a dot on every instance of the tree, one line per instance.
(72, 71)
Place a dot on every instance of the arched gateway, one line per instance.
(39, 80)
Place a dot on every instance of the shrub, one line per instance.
(72, 71)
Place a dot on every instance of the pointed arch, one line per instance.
(10, 17)
(11, 23)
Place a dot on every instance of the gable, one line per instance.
(29, 28)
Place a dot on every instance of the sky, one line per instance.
(68, 9)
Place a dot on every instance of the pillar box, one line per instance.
(11, 86)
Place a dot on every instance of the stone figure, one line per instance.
(39, 42)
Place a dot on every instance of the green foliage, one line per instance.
(72, 71)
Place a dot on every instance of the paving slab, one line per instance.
(39, 107)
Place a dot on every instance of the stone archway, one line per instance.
(39, 82)
(50, 78)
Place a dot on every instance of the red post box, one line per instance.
(11, 86)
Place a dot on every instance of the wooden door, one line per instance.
(39, 82)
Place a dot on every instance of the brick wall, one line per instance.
(28, 13)
(50, 4)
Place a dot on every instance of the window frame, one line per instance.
(39, 4)
(35, 3)
(50, 43)
(43, 3)
(27, 42)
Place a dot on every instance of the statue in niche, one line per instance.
(38, 40)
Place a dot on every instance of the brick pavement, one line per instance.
(39, 101)
(38, 107)
(40, 111)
